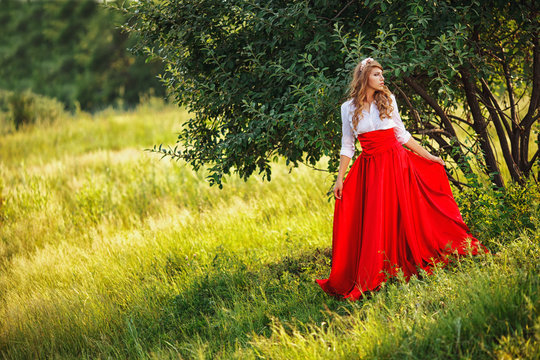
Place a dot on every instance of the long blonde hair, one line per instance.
(357, 92)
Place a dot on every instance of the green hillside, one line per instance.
(108, 252)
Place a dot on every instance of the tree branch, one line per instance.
(535, 93)
(459, 119)
(528, 120)
(432, 131)
(342, 10)
(495, 105)
(510, 90)
(414, 112)
(431, 102)
(531, 163)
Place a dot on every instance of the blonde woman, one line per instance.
(395, 210)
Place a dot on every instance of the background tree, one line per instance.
(74, 51)
(265, 78)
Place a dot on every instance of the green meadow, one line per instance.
(108, 251)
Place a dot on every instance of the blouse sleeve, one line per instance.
(402, 135)
(347, 138)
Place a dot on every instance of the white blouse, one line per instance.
(370, 121)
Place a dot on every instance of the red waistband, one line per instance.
(375, 141)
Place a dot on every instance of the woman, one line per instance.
(395, 209)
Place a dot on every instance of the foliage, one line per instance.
(73, 51)
(499, 216)
(265, 78)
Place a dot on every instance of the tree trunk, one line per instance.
(480, 127)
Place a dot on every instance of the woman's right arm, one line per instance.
(347, 149)
(343, 165)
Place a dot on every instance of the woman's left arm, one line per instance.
(405, 138)
(417, 148)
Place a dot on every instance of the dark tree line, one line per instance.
(72, 50)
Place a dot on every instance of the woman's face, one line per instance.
(376, 79)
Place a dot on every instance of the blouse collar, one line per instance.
(369, 114)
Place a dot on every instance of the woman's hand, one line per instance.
(436, 159)
(415, 146)
(338, 188)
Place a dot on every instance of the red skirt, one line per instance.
(397, 211)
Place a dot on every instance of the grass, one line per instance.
(106, 251)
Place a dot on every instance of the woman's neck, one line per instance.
(369, 95)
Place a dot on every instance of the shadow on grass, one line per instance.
(239, 296)
(236, 298)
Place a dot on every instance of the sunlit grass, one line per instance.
(107, 251)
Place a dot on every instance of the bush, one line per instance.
(498, 216)
(18, 109)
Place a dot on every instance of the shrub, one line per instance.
(18, 109)
(499, 216)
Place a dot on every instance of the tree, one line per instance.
(265, 78)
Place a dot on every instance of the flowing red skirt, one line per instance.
(397, 211)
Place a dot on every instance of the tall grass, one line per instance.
(106, 251)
